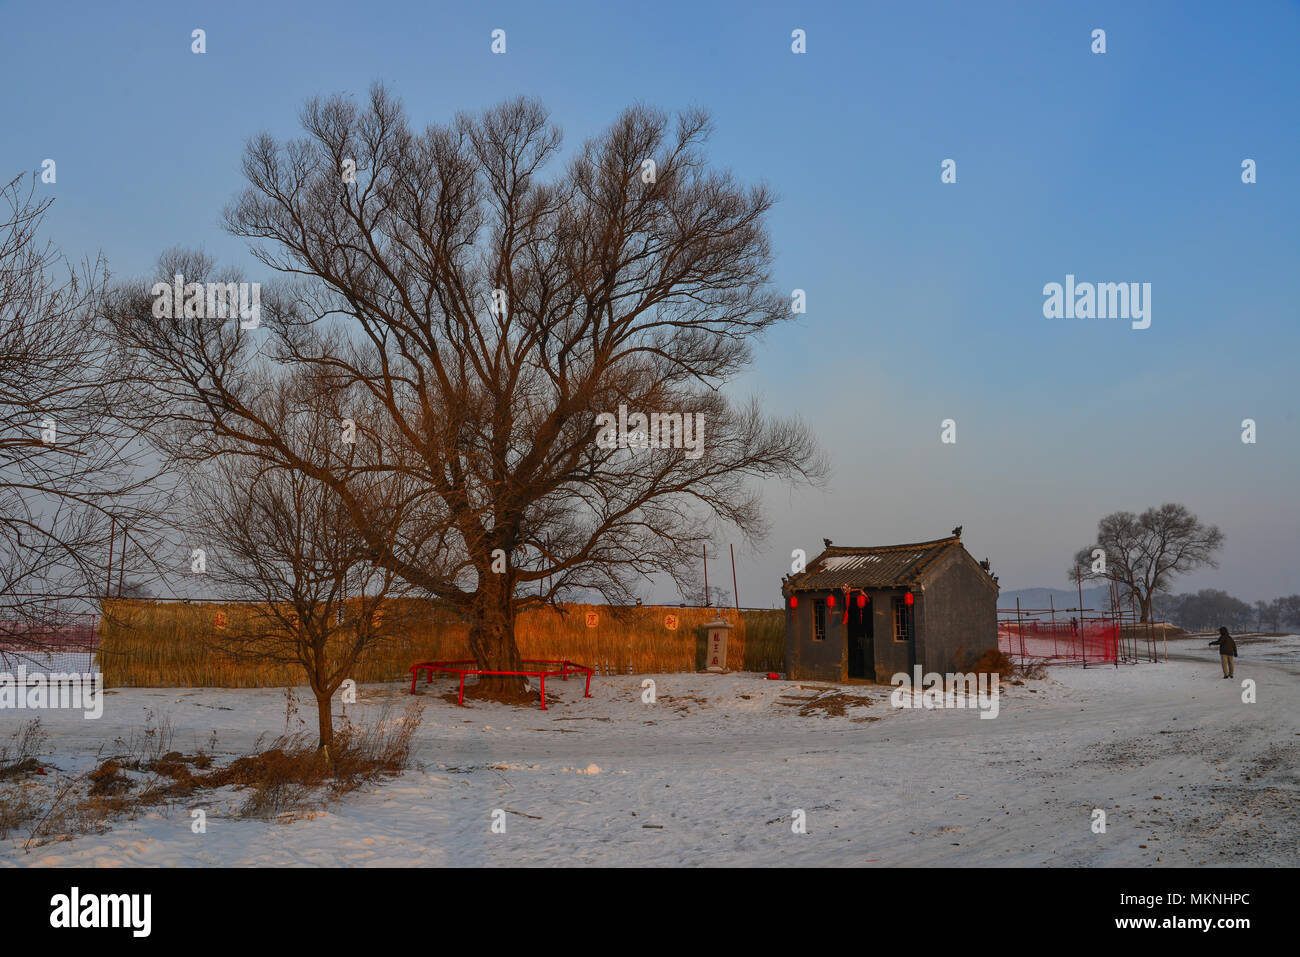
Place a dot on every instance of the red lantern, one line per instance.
(794, 601)
(862, 601)
(908, 599)
(830, 601)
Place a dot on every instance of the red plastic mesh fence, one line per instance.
(66, 646)
(1072, 641)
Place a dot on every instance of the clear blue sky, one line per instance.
(924, 299)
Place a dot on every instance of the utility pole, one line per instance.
(121, 567)
(112, 540)
(735, 589)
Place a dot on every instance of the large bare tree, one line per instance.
(483, 318)
(71, 468)
(1144, 553)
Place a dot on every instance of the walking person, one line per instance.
(1227, 652)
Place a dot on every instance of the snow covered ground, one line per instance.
(712, 773)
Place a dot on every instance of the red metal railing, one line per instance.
(566, 668)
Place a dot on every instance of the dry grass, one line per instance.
(289, 778)
(995, 661)
(833, 704)
(764, 640)
(294, 777)
(42, 802)
(19, 808)
(19, 760)
(171, 644)
(19, 754)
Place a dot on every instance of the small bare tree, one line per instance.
(284, 544)
(494, 322)
(1144, 553)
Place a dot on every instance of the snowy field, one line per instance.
(711, 773)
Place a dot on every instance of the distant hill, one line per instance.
(1094, 598)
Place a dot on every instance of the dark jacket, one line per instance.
(1226, 645)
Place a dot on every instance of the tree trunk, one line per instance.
(492, 643)
(1144, 604)
(325, 718)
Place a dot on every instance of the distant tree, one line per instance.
(1279, 612)
(1206, 609)
(718, 597)
(1143, 553)
(1268, 614)
(1290, 609)
(1167, 607)
(1211, 607)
